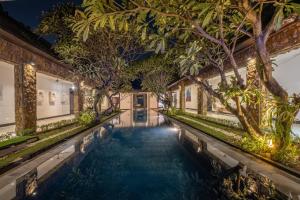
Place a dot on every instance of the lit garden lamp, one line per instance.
(270, 143)
(199, 149)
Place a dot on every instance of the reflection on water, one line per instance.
(137, 155)
(139, 118)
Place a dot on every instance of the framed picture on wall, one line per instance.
(40, 98)
(188, 94)
(64, 98)
(1, 92)
(52, 98)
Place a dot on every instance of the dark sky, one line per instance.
(29, 11)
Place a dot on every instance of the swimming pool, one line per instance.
(138, 155)
(143, 155)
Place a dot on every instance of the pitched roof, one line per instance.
(24, 33)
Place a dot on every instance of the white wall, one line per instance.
(215, 81)
(61, 88)
(125, 101)
(177, 93)
(153, 101)
(7, 93)
(192, 106)
(287, 72)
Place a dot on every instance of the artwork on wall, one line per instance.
(64, 98)
(40, 98)
(52, 98)
(188, 94)
(1, 92)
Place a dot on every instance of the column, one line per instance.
(78, 98)
(26, 99)
(202, 101)
(182, 96)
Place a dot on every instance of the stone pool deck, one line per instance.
(284, 182)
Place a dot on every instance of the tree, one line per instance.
(156, 74)
(102, 58)
(222, 24)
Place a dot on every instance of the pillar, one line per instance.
(78, 105)
(182, 96)
(25, 97)
(202, 101)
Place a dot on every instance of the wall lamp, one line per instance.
(73, 88)
(30, 63)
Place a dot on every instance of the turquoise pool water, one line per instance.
(137, 156)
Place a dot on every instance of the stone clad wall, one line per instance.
(21, 55)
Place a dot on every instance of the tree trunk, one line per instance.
(247, 120)
(111, 105)
(265, 70)
(245, 117)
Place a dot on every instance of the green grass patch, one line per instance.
(211, 131)
(16, 140)
(39, 146)
(236, 131)
(46, 134)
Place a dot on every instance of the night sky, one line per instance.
(28, 11)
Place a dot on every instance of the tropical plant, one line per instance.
(101, 59)
(222, 24)
(87, 117)
(156, 73)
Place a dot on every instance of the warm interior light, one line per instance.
(73, 87)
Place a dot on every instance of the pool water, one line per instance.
(138, 156)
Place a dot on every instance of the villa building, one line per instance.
(284, 46)
(36, 88)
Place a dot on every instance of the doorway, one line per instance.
(140, 101)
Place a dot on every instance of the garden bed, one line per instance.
(218, 131)
(16, 141)
(29, 152)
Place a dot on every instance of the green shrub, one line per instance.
(87, 117)
(172, 111)
(288, 156)
(258, 145)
